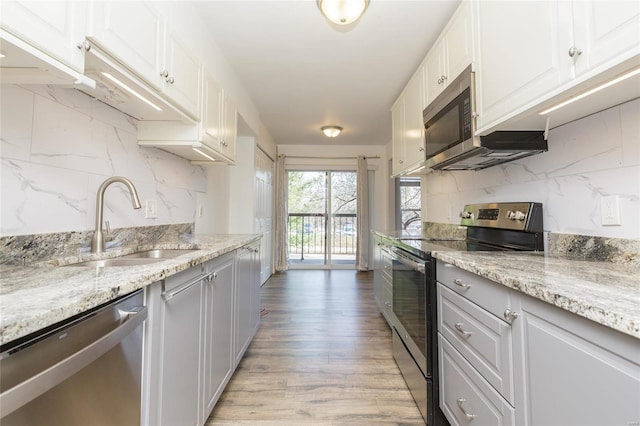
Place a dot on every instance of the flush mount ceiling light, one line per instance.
(331, 131)
(342, 12)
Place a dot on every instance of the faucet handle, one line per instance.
(108, 237)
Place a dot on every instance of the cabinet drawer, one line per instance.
(182, 277)
(484, 340)
(464, 393)
(387, 304)
(492, 296)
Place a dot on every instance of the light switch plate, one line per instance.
(151, 209)
(610, 210)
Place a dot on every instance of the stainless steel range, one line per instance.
(490, 227)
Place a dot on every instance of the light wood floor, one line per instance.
(322, 356)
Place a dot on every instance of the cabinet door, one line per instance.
(183, 73)
(414, 154)
(230, 125)
(605, 31)
(397, 134)
(246, 284)
(132, 32)
(180, 357)
(211, 114)
(217, 331)
(516, 66)
(55, 27)
(435, 72)
(574, 371)
(459, 41)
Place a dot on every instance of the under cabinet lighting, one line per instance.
(2, 55)
(203, 154)
(130, 90)
(417, 169)
(609, 83)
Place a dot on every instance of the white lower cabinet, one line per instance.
(217, 330)
(173, 349)
(192, 344)
(247, 305)
(573, 371)
(464, 394)
(507, 358)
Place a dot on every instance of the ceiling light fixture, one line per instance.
(331, 131)
(342, 12)
(598, 88)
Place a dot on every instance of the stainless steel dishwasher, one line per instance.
(86, 371)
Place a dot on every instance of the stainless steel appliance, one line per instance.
(85, 371)
(496, 226)
(450, 133)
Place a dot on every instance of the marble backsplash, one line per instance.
(38, 248)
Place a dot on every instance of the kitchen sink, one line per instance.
(119, 261)
(158, 254)
(141, 258)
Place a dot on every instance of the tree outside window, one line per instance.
(408, 201)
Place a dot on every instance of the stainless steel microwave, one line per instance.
(450, 133)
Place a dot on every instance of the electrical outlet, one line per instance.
(610, 210)
(151, 209)
(200, 211)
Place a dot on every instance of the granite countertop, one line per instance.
(37, 296)
(604, 292)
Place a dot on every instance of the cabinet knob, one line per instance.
(420, 148)
(84, 45)
(164, 73)
(574, 52)
(401, 161)
(170, 80)
(388, 304)
(509, 315)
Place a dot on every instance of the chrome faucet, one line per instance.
(97, 242)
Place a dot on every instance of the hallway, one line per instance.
(322, 356)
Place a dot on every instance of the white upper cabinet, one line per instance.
(414, 154)
(134, 33)
(54, 27)
(516, 65)
(397, 135)
(604, 31)
(230, 126)
(407, 134)
(571, 47)
(182, 74)
(451, 54)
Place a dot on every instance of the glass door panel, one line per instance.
(344, 225)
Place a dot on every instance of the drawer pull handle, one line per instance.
(462, 331)
(461, 401)
(459, 283)
(388, 304)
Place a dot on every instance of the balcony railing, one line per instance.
(307, 232)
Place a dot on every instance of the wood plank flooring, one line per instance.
(322, 356)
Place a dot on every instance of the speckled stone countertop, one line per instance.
(604, 292)
(34, 297)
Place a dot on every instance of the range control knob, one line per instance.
(516, 215)
(466, 215)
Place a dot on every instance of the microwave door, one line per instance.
(443, 131)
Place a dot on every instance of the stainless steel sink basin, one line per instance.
(119, 261)
(158, 254)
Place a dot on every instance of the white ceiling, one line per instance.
(302, 73)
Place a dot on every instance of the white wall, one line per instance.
(59, 145)
(589, 158)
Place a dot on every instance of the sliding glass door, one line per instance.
(322, 220)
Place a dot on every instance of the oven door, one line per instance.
(410, 305)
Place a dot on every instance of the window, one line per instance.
(408, 201)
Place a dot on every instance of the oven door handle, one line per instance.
(405, 259)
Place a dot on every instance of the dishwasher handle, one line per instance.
(30, 389)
